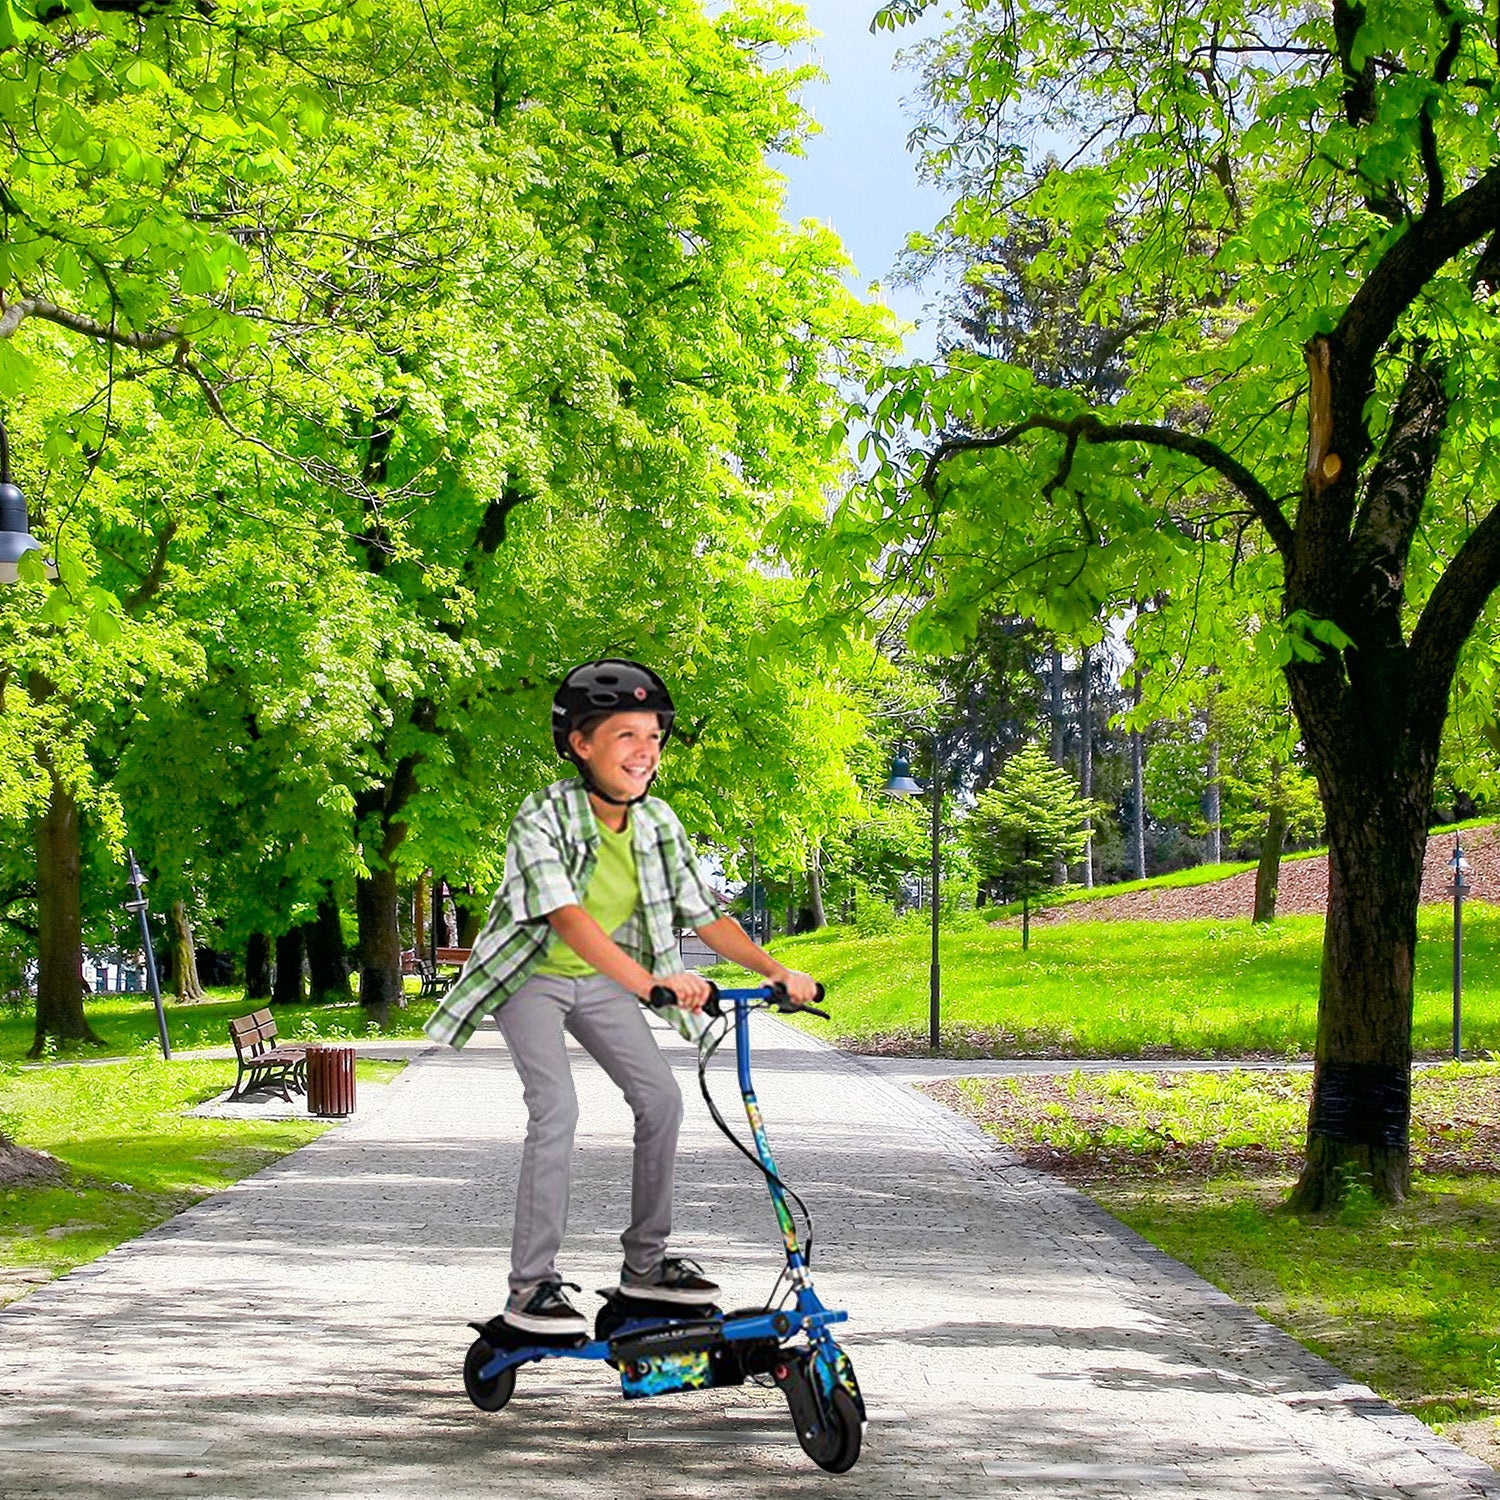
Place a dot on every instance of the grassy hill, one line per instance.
(1128, 989)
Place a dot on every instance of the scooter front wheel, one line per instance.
(829, 1424)
(491, 1394)
(834, 1444)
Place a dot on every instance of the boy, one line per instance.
(598, 877)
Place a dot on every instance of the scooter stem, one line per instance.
(796, 1260)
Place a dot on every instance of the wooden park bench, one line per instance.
(435, 982)
(263, 1063)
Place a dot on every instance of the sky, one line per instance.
(858, 175)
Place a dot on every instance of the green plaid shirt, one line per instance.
(550, 854)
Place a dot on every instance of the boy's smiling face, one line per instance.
(622, 753)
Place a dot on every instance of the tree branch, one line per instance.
(1359, 86)
(1451, 613)
(1394, 498)
(1432, 165)
(1088, 428)
(154, 574)
(490, 534)
(1407, 267)
(15, 313)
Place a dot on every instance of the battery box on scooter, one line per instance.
(689, 1354)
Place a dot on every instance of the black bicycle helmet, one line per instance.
(611, 686)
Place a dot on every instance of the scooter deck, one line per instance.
(622, 1335)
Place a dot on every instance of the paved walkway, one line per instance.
(301, 1334)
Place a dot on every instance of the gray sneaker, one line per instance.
(672, 1279)
(545, 1309)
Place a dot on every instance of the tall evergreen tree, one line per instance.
(1027, 820)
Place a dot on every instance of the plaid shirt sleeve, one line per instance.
(536, 878)
(694, 903)
(515, 935)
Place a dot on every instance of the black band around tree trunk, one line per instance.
(1362, 1104)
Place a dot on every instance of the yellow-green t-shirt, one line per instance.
(614, 893)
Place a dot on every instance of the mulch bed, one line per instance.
(1455, 1127)
(20, 1165)
(978, 1042)
(1302, 891)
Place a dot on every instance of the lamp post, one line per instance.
(137, 904)
(1460, 867)
(16, 539)
(900, 783)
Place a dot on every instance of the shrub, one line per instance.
(874, 916)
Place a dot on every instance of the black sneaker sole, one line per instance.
(498, 1334)
(562, 1328)
(676, 1297)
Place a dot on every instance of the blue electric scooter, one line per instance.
(661, 1347)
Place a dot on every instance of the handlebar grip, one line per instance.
(784, 1001)
(662, 998)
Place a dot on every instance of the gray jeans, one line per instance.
(607, 1021)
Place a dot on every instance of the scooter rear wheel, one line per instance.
(491, 1394)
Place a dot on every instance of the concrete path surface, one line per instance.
(302, 1334)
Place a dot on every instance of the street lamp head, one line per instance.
(1458, 864)
(900, 783)
(16, 539)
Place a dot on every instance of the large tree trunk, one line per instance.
(288, 986)
(1086, 758)
(1371, 716)
(380, 988)
(258, 967)
(59, 988)
(327, 963)
(375, 898)
(815, 888)
(1361, 1105)
(1268, 871)
(470, 916)
(185, 979)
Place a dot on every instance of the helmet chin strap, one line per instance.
(595, 790)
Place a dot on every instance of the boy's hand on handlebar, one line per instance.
(802, 988)
(692, 990)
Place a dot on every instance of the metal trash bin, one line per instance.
(330, 1080)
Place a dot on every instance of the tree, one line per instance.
(285, 275)
(109, 267)
(1031, 817)
(1304, 203)
(1267, 795)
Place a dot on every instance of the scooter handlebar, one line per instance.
(663, 998)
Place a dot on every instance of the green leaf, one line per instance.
(197, 277)
(146, 75)
(17, 372)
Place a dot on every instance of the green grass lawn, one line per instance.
(132, 1157)
(1129, 989)
(125, 1023)
(1407, 1300)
